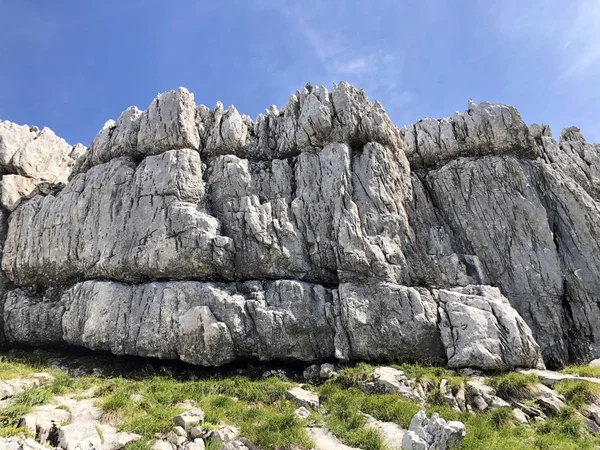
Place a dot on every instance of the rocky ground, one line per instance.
(105, 403)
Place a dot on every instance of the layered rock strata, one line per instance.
(317, 231)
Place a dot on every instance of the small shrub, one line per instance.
(513, 385)
(436, 398)
(10, 415)
(32, 397)
(113, 402)
(578, 392)
(583, 371)
(11, 430)
(351, 376)
(500, 417)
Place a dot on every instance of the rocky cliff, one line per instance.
(318, 231)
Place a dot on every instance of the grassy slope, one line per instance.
(260, 408)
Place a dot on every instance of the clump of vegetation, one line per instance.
(583, 371)
(500, 417)
(436, 398)
(578, 392)
(352, 376)
(513, 385)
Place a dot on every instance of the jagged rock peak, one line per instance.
(483, 129)
(572, 134)
(30, 158)
(312, 117)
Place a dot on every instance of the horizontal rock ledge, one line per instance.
(211, 324)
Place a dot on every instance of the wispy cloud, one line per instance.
(581, 40)
(344, 56)
(569, 33)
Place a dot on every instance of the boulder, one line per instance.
(92, 433)
(302, 413)
(519, 416)
(479, 324)
(391, 433)
(303, 398)
(432, 434)
(188, 419)
(390, 380)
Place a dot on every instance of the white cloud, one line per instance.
(568, 32)
(344, 56)
(581, 40)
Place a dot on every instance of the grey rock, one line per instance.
(478, 324)
(15, 188)
(389, 380)
(235, 445)
(161, 445)
(549, 400)
(180, 431)
(480, 403)
(325, 440)
(198, 444)
(31, 153)
(482, 130)
(589, 424)
(591, 412)
(225, 434)
(595, 363)
(94, 235)
(102, 436)
(432, 434)
(8, 388)
(550, 378)
(187, 420)
(197, 433)
(460, 397)
(168, 123)
(302, 413)
(519, 416)
(497, 402)
(264, 321)
(327, 371)
(20, 443)
(311, 374)
(372, 316)
(391, 433)
(371, 242)
(303, 398)
(476, 387)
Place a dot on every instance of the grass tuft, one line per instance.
(578, 392)
(583, 371)
(513, 385)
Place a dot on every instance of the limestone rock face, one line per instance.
(478, 324)
(317, 231)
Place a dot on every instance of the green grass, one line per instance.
(260, 409)
(513, 385)
(578, 392)
(351, 376)
(582, 371)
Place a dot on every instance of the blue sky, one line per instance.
(71, 64)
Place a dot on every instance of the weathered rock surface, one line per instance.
(478, 324)
(325, 440)
(433, 433)
(391, 433)
(317, 231)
